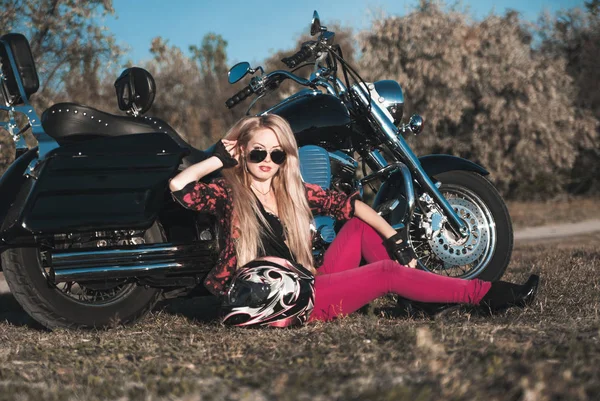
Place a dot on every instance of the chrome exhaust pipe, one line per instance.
(115, 272)
(110, 255)
(141, 261)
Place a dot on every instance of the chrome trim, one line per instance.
(409, 191)
(45, 142)
(318, 79)
(289, 75)
(408, 184)
(414, 126)
(341, 87)
(389, 94)
(116, 271)
(378, 158)
(110, 255)
(398, 226)
(108, 264)
(315, 25)
(398, 146)
(385, 171)
(345, 159)
(330, 89)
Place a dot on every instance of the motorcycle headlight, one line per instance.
(390, 96)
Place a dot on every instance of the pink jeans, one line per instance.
(342, 286)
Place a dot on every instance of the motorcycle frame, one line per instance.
(400, 149)
(15, 189)
(389, 135)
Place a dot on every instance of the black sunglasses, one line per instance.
(258, 155)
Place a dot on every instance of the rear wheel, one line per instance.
(73, 304)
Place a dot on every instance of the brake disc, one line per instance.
(454, 250)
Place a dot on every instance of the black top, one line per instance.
(274, 243)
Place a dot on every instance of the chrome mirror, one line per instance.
(238, 72)
(315, 26)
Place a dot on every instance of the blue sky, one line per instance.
(256, 29)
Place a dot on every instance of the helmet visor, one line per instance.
(247, 293)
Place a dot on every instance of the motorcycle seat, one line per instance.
(71, 122)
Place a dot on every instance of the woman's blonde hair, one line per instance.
(292, 204)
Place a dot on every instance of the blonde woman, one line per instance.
(266, 210)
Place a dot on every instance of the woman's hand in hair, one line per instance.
(224, 155)
(225, 150)
(231, 147)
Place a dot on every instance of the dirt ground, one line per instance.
(568, 210)
(550, 351)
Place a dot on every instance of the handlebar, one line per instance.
(238, 97)
(279, 74)
(258, 85)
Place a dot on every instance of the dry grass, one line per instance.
(569, 210)
(548, 351)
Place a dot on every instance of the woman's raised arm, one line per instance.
(224, 155)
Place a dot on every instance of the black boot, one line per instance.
(503, 295)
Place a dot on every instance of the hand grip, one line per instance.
(302, 55)
(238, 97)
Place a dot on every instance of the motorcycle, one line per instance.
(91, 237)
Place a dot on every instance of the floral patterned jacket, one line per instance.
(216, 198)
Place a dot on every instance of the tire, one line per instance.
(52, 308)
(476, 197)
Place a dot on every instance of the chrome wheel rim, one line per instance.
(444, 253)
(88, 293)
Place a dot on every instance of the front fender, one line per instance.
(436, 164)
(394, 187)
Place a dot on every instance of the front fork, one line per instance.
(387, 171)
(400, 149)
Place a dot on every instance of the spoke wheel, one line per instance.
(95, 294)
(485, 252)
(90, 304)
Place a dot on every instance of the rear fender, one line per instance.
(12, 182)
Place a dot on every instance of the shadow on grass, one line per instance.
(202, 309)
(12, 313)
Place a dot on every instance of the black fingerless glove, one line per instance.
(401, 252)
(222, 154)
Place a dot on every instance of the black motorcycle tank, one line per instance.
(102, 184)
(316, 119)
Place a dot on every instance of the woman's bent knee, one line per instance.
(389, 267)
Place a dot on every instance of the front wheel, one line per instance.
(486, 252)
(73, 304)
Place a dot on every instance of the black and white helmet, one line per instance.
(270, 292)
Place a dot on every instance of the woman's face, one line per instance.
(263, 139)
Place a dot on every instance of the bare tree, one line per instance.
(485, 94)
(574, 35)
(68, 47)
(191, 91)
